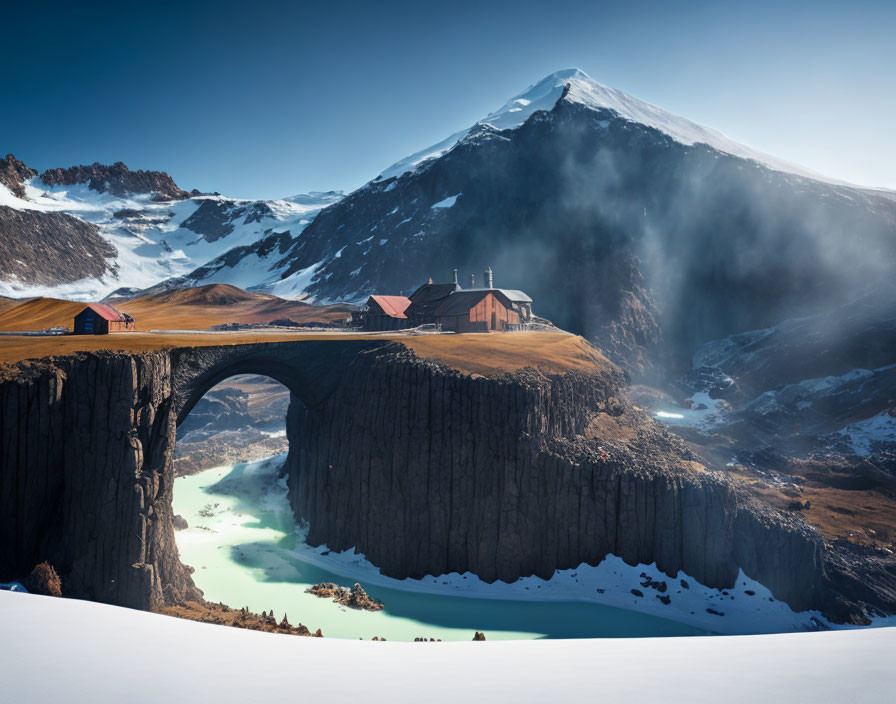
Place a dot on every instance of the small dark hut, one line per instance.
(426, 299)
(101, 319)
(386, 313)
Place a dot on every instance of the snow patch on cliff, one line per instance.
(865, 434)
(447, 202)
(702, 412)
(747, 607)
(293, 285)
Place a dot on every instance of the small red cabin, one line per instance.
(386, 313)
(101, 319)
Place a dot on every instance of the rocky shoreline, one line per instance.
(224, 615)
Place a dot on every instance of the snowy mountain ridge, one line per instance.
(154, 238)
(574, 85)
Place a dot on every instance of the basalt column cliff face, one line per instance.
(429, 471)
(424, 469)
(86, 481)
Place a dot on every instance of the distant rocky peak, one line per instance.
(14, 173)
(117, 179)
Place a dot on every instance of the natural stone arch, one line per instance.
(208, 380)
(310, 369)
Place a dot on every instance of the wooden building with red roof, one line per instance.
(101, 319)
(386, 313)
(451, 308)
(487, 309)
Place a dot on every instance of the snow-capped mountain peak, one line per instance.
(576, 86)
(541, 96)
(588, 92)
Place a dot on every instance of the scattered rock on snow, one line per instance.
(44, 580)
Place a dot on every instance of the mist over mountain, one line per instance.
(620, 230)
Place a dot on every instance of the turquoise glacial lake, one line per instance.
(246, 550)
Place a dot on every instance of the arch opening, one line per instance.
(239, 419)
(216, 376)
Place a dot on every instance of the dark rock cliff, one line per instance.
(117, 179)
(50, 248)
(14, 173)
(86, 477)
(215, 219)
(424, 469)
(428, 471)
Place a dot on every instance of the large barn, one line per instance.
(484, 309)
(480, 310)
(101, 319)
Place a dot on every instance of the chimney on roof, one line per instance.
(487, 280)
(430, 280)
(455, 277)
(472, 280)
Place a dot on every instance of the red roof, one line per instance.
(394, 306)
(104, 310)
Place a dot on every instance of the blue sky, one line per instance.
(268, 99)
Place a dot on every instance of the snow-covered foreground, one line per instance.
(77, 651)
